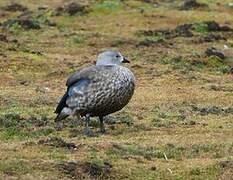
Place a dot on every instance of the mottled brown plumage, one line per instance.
(98, 90)
(109, 89)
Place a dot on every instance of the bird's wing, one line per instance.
(93, 73)
(76, 89)
(85, 73)
(78, 86)
(75, 84)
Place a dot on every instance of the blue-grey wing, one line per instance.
(73, 91)
(78, 87)
(77, 93)
(85, 73)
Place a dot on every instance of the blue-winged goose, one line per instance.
(98, 90)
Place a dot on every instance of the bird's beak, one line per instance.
(125, 60)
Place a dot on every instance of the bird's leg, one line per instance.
(76, 121)
(87, 131)
(102, 129)
(59, 125)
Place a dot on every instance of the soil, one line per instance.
(71, 8)
(26, 23)
(214, 26)
(15, 7)
(211, 38)
(81, 169)
(192, 4)
(214, 52)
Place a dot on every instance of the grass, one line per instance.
(201, 28)
(14, 127)
(178, 124)
(106, 7)
(14, 168)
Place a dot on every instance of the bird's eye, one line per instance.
(117, 56)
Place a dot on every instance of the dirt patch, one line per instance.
(15, 7)
(80, 170)
(188, 30)
(71, 9)
(210, 26)
(183, 30)
(26, 23)
(57, 142)
(192, 4)
(28, 20)
(214, 26)
(210, 38)
(214, 52)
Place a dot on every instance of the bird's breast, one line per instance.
(108, 92)
(113, 93)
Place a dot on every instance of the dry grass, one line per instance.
(176, 109)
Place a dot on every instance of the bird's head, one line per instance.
(109, 58)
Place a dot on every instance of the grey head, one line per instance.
(110, 58)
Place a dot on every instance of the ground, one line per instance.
(179, 123)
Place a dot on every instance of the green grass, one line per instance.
(78, 40)
(14, 127)
(201, 28)
(106, 7)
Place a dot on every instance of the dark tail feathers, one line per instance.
(62, 104)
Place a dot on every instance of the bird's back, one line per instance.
(105, 89)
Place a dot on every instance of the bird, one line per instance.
(98, 90)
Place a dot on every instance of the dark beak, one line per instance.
(125, 60)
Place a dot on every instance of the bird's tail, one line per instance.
(62, 109)
(63, 114)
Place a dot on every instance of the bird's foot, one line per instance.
(88, 132)
(59, 126)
